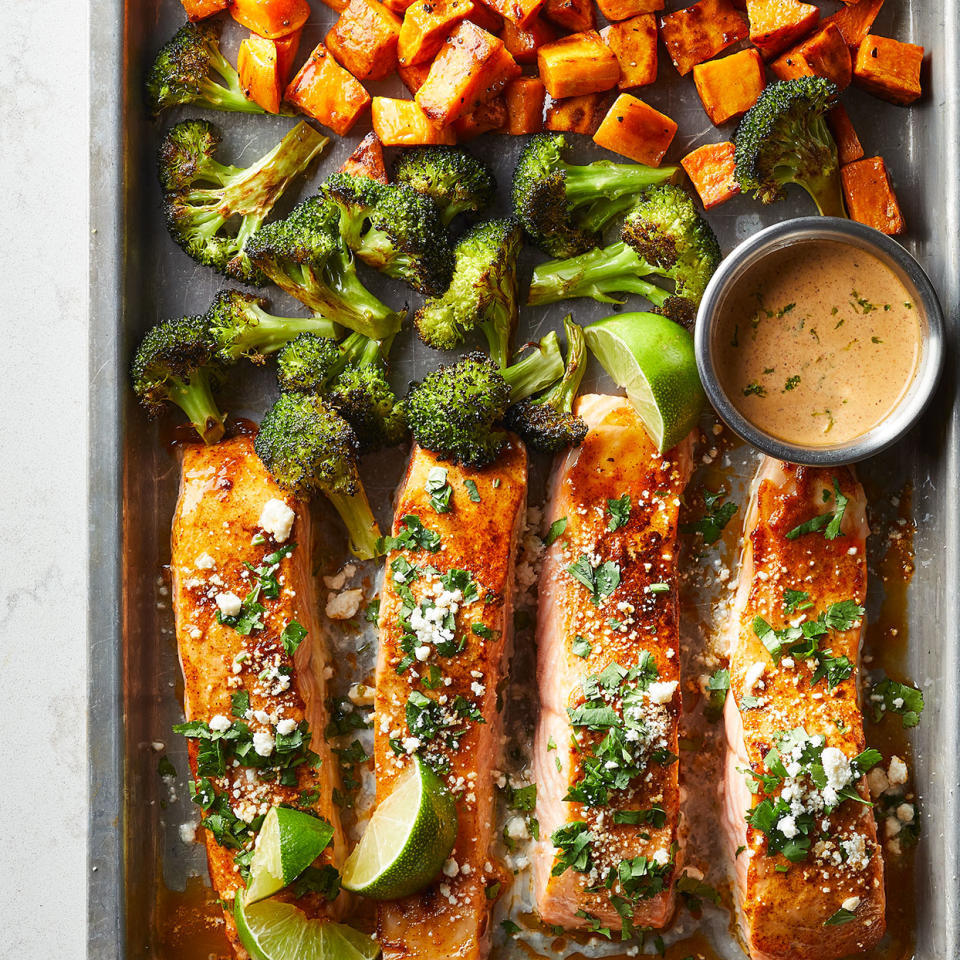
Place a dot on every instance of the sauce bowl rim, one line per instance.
(751, 252)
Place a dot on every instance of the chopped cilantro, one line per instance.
(619, 511)
(889, 696)
(472, 492)
(293, 635)
(555, 531)
(581, 647)
(712, 523)
(601, 581)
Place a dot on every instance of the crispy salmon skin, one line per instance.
(608, 671)
(445, 620)
(253, 678)
(809, 873)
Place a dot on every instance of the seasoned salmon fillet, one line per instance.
(445, 620)
(608, 670)
(809, 872)
(243, 601)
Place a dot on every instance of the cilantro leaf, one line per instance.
(555, 531)
(619, 511)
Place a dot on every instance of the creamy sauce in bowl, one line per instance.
(817, 343)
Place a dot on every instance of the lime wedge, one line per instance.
(272, 930)
(652, 358)
(407, 840)
(288, 842)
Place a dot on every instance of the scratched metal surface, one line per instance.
(140, 276)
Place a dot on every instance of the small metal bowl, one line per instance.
(889, 252)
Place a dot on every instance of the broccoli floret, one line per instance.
(305, 255)
(454, 411)
(482, 293)
(175, 364)
(456, 180)
(663, 236)
(187, 69)
(240, 327)
(547, 422)
(784, 138)
(563, 207)
(308, 448)
(394, 229)
(213, 209)
(308, 363)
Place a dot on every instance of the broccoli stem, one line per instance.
(610, 181)
(538, 370)
(270, 333)
(362, 529)
(195, 398)
(827, 194)
(602, 211)
(561, 395)
(229, 97)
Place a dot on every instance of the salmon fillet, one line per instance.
(606, 744)
(449, 579)
(241, 686)
(809, 872)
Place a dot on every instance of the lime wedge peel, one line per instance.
(407, 840)
(653, 359)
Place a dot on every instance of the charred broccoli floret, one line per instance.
(175, 364)
(308, 363)
(189, 69)
(394, 229)
(454, 411)
(784, 138)
(240, 327)
(212, 209)
(563, 207)
(547, 422)
(457, 181)
(308, 448)
(663, 236)
(482, 293)
(305, 255)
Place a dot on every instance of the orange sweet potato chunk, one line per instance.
(700, 31)
(889, 69)
(521, 12)
(364, 39)
(367, 160)
(711, 171)
(578, 114)
(625, 9)
(524, 98)
(729, 87)
(776, 24)
(401, 123)
(848, 143)
(634, 44)
(486, 18)
(322, 89)
(271, 18)
(573, 15)
(483, 118)
(426, 25)
(825, 54)
(855, 21)
(523, 44)
(287, 48)
(200, 9)
(578, 64)
(870, 197)
(259, 77)
(457, 76)
(634, 129)
(413, 77)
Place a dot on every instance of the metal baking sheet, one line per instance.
(145, 882)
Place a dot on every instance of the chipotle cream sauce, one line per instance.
(817, 343)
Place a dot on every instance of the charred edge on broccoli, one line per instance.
(457, 181)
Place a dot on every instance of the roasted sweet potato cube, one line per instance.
(855, 21)
(869, 195)
(338, 5)
(486, 18)
(848, 143)
(777, 24)
(578, 64)
(401, 123)
(200, 9)
(524, 97)
(625, 9)
(573, 15)
(364, 39)
(271, 18)
(636, 130)
(287, 48)
(456, 78)
(483, 118)
(700, 31)
(523, 45)
(729, 87)
(578, 114)
(825, 54)
(413, 77)
(711, 171)
(889, 69)
(257, 66)
(399, 7)
(521, 12)
(322, 89)
(426, 25)
(634, 44)
(367, 160)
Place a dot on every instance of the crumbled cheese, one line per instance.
(850, 904)
(220, 723)
(877, 781)
(204, 562)
(661, 857)
(897, 772)
(788, 826)
(229, 603)
(360, 695)
(905, 812)
(263, 743)
(188, 832)
(344, 605)
(286, 726)
(661, 691)
(516, 828)
(450, 867)
(753, 674)
(411, 744)
(276, 518)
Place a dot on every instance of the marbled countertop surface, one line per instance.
(43, 272)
